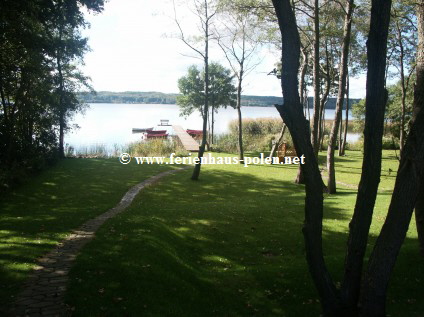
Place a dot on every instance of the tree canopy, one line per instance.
(221, 89)
(40, 48)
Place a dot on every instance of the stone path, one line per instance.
(44, 291)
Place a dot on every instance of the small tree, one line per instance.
(205, 11)
(238, 38)
(221, 91)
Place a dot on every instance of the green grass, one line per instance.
(39, 214)
(228, 245)
(349, 168)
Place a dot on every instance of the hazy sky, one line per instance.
(134, 48)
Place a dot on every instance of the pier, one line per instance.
(188, 142)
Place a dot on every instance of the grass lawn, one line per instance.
(36, 216)
(229, 245)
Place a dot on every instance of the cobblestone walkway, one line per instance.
(44, 291)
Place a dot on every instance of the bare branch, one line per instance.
(182, 33)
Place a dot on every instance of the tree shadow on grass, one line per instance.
(40, 213)
(230, 245)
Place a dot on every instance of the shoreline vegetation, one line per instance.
(259, 136)
(151, 97)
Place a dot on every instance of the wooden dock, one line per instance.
(188, 142)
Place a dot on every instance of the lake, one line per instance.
(110, 124)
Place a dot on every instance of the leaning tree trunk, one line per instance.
(407, 186)
(376, 98)
(278, 142)
(292, 114)
(331, 185)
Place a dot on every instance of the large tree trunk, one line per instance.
(317, 111)
(376, 98)
(331, 185)
(419, 217)
(418, 104)
(292, 114)
(407, 186)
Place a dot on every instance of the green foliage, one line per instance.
(392, 115)
(191, 86)
(40, 47)
(192, 92)
(358, 112)
(394, 109)
(258, 135)
(402, 41)
(136, 97)
(258, 126)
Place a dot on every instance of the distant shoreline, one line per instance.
(135, 97)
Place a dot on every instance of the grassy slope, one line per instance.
(39, 214)
(228, 245)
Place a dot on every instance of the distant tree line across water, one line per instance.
(134, 97)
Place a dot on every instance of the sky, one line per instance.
(135, 47)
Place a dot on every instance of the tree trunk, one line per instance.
(61, 109)
(304, 101)
(407, 186)
(212, 125)
(278, 141)
(292, 114)
(303, 70)
(324, 99)
(316, 121)
(342, 149)
(419, 217)
(418, 102)
(376, 98)
(240, 121)
(403, 87)
(331, 185)
(196, 171)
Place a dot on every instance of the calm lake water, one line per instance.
(110, 124)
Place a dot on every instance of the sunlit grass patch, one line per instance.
(38, 215)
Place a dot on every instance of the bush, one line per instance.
(258, 135)
(355, 146)
(390, 143)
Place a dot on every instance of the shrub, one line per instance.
(258, 135)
